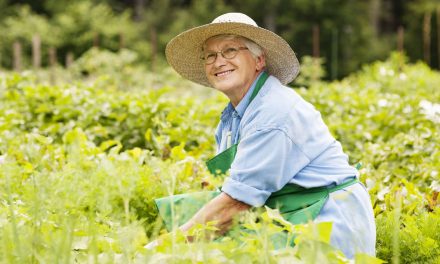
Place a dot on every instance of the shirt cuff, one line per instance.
(245, 193)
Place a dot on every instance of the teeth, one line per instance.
(223, 73)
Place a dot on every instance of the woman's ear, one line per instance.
(260, 62)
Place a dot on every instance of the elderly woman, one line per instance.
(273, 144)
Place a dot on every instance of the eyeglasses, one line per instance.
(227, 53)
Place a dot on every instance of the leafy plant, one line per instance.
(81, 162)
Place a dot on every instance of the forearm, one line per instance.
(221, 209)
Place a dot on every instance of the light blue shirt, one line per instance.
(283, 139)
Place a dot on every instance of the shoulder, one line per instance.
(279, 107)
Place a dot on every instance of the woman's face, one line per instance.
(232, 76)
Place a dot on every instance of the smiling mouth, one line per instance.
(224, 73)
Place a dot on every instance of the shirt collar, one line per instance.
(227, 112)
(241, 107)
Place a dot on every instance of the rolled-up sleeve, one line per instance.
(266, 160)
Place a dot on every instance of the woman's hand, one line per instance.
(220, 210)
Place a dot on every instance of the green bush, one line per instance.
(81, 162)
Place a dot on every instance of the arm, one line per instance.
(249, 183)
(221, 209)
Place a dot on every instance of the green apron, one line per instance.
(296, 204)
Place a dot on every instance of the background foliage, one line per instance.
(81, 161)
(85, 150)
(351, 33)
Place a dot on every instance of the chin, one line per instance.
(223, 85)
(223, 88)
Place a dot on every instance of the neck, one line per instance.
(237, 95)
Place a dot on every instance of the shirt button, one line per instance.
(234, 114)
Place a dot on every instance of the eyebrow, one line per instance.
(224, 47)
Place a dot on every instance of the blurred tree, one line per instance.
(139, 6)
(79, 31)
(3, 9)
(162, 20)
(74, 28)
(22, 26)
(350, 32)
(374, 7)
(346, 39)
(50, 7)
(422, 26)
(153, 19)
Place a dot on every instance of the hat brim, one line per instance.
(183, 52)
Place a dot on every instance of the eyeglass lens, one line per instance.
(227, 53)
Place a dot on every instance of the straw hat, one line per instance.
(183, 51)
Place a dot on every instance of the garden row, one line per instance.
(81, 162)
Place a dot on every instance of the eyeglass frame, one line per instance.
(203, 57)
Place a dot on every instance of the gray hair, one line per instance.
(255, 49)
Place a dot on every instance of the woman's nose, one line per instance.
(219, 60)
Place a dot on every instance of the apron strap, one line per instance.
(258, 85)
(221, 163)
(343, 185)
(264, 76)
(298, 204)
